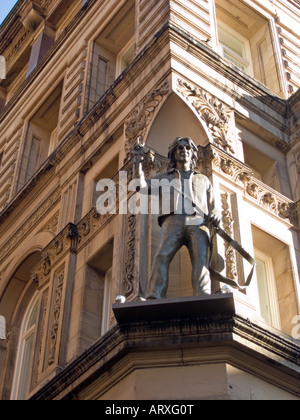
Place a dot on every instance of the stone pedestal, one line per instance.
(179, 308)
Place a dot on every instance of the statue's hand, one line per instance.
(138, 152)
(214, 219)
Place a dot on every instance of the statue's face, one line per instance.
(183, 152)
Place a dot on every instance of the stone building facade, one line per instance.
(84, 80)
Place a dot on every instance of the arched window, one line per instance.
(25, 351)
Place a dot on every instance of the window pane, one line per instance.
(264, 298)
(234, 49)
(32, 318)
(34, 158)
(101, 78)
(106, 302)
(25, 367)
(234, 44)
(25, 352)
(235, 62)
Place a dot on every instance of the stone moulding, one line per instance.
(90, 225)
(212, 158)
(29, 224)
(234, 340)
(66, 241)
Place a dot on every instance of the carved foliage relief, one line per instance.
(54, 320)
(297, 161)
(227, 220)
(211, 111)
(140, 118)
(130, 251)
(255, 190)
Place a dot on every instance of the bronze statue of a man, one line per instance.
(191, 208)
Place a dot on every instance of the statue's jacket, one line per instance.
(168, 189)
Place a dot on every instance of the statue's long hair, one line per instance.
(173, 148)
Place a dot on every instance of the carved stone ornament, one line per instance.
(128, 279)
(227, 219)
(138, 121)
(153, 164)
(30, 223)
(52, 224)
(212, 112)
(53, 335)
(46, 266)
(255, 190)
(297, 161)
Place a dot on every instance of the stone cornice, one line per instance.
(233, 339)
(12, 23)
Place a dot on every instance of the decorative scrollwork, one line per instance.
(55, 318)
(140, 118)
(230, 255)
(128, 280)
(255, 190)
(213, 113)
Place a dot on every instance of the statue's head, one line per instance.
(180, 142)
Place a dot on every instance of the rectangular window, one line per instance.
(267, 293)
(113, 51)
(235, 48)
(97, 299)
(247, 40)
(41, 136)
(125, 57)
(106, 311)
(102, 73)
(263, 166)
(274, 289)
(34, 158)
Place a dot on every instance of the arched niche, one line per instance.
(17, 275)
(16, 286)
(175, 119)
(13, 304)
